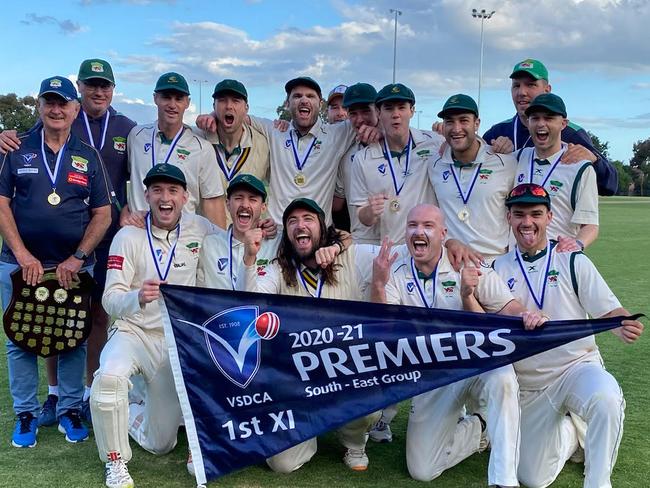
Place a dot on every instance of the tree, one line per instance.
(601, 147)
(624, 177)
(17, 113)
(640, 166)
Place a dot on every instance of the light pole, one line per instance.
(396, 12)
(483, 15)
(200, 82)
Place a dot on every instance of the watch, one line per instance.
(81, 255)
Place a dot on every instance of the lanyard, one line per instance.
(90, 134)
(389, 158)
(300, 163)
(229, 173)
(515, 122)
(471, 186)
(232, 278)
(59, 158)
(319, 285)
(421, 291)
(548, 175)
(171, 146)
(539, 300)
(162, 276)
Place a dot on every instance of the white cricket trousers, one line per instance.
(436, 439)
(154, 426)
(549, 436)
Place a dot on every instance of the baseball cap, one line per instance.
(359, 93)
(528, 193)
(337, 91)
(395, 91)
(60, 86)
(230, 86)
(249, 182)
(303, 81)
(96, 68)
(459, 103)
(305, 203)
(547, 102)
(532, 67)
(172, 81)
(165, 172)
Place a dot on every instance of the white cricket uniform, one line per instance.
(371, 174)
(222, 255)
(485, 184)
(136, 344)
(361, 234)
(435, 439)
(320, 149)
(193, 154)
(354, 274)
(568, 379)
(572, 188)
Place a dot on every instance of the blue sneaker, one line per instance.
(70, 424)
(25, 431)
(47, 416)
(86, 416)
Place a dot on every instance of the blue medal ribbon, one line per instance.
(539, 301)
(464, 197)
(230, 237)
(300, 163)
(171, 146)
(421, 292)
(59, 157)
(515, 122)
(90, 134)
(389, 158)
(162, 276)
(550, 171)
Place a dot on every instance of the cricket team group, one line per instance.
(362, 206)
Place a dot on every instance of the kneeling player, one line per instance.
(140, 260)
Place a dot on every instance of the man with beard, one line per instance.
(311, 262)
(222, 252)
(569, 380)
(390, 177)
(101, 126)
(530, 79)
(164, 251)
(423, 277)
(170, 141)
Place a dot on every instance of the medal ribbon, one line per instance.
(389, 158)
(300, 163)
(464, 197)
(232, 279)
(514, 130)
(544, 277)
(90, 134)
(59, 157)
(319, 285)
(162, 276)
(421, 291)
(171, 146)
(550, 171)
(230, 173)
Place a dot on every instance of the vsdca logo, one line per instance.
(233, 340)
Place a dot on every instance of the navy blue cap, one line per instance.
(60, 86)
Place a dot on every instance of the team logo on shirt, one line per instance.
(555, 186)
(532, 268)
(233, 339)
(448, 287)
(193, 247)
(287, 143)
(484, 175)
(160, 255)
(182, 154)
(539, 172)
(119, 144)
(80, 164)
(261, 266)
(520, 178)
(382, 168)
(27, 158)
(222, 263)
(511, 283)
(147, 146)
(423, 153)
(410, 286)
(317, 145)
(445, 175)
(553, 276)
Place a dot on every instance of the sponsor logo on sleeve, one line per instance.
(115, 262)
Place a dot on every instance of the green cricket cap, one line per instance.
(95, 68)
(172, 81)
(547, 102)
(533, 67)
(457, 104)
(249, 182)
(165, 172)
(359, 93)
(304, 203)
(528, 194)
(395, 92)
(232, 87)
(303, 81)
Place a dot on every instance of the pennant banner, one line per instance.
(257, 374)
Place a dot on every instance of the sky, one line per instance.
(597, 52)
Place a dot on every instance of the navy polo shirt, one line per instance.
(606, 175)
(52, 233)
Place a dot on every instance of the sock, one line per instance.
(53, 390)
(86, 393)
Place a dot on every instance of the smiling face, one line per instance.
(231, 110)
(171, 105)
(524, 89)
(529, 223)
(336, 112)
(460, 131)
(304, 105)
(395, 117)
(166, 201)
(96, 95)
(57, 113)
(304, 232)
(245, 208)
(425, 232)
(546, 132)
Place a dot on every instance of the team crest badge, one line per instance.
(233, 337)
(96, 67)
(119, 144)
(80, 164)
(193, 247)
(182, 154)
(147, 146)
(511, 283)
(222, 263)
(28, 158)
(395, 89)
(555, 186)
(382, 168)
(553, 276)
(520, 178)
(410, 286)
(55, 83)
(526, 64)
(484, 175)
(448, 287)
(445, 175)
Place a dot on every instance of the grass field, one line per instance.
(623, 257)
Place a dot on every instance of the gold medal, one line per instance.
(53, 199)
(463, 214)
(300, 179)
(394, 205)
(60, 296)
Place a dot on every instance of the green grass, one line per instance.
(621, 254)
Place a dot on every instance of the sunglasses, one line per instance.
(536, 190)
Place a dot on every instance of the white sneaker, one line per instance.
(190, 464)
(356, 459)
(117, 475)
(381, 432)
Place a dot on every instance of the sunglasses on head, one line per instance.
(531, 188)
